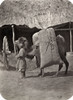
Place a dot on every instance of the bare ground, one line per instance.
(37, 88)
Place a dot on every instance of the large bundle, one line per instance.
(48, 48)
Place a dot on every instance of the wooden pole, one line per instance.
(65, 29)
(70, 41)
(13, 36)
(70, 37)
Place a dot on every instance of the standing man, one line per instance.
(5, 52)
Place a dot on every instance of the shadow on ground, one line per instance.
(52, 74)
(61, 74)
(11, 68)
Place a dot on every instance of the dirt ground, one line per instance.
(37, 88)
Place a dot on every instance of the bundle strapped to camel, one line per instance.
(48, 48)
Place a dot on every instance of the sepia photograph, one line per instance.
(36, 49)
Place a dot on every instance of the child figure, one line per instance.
(21, 62)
